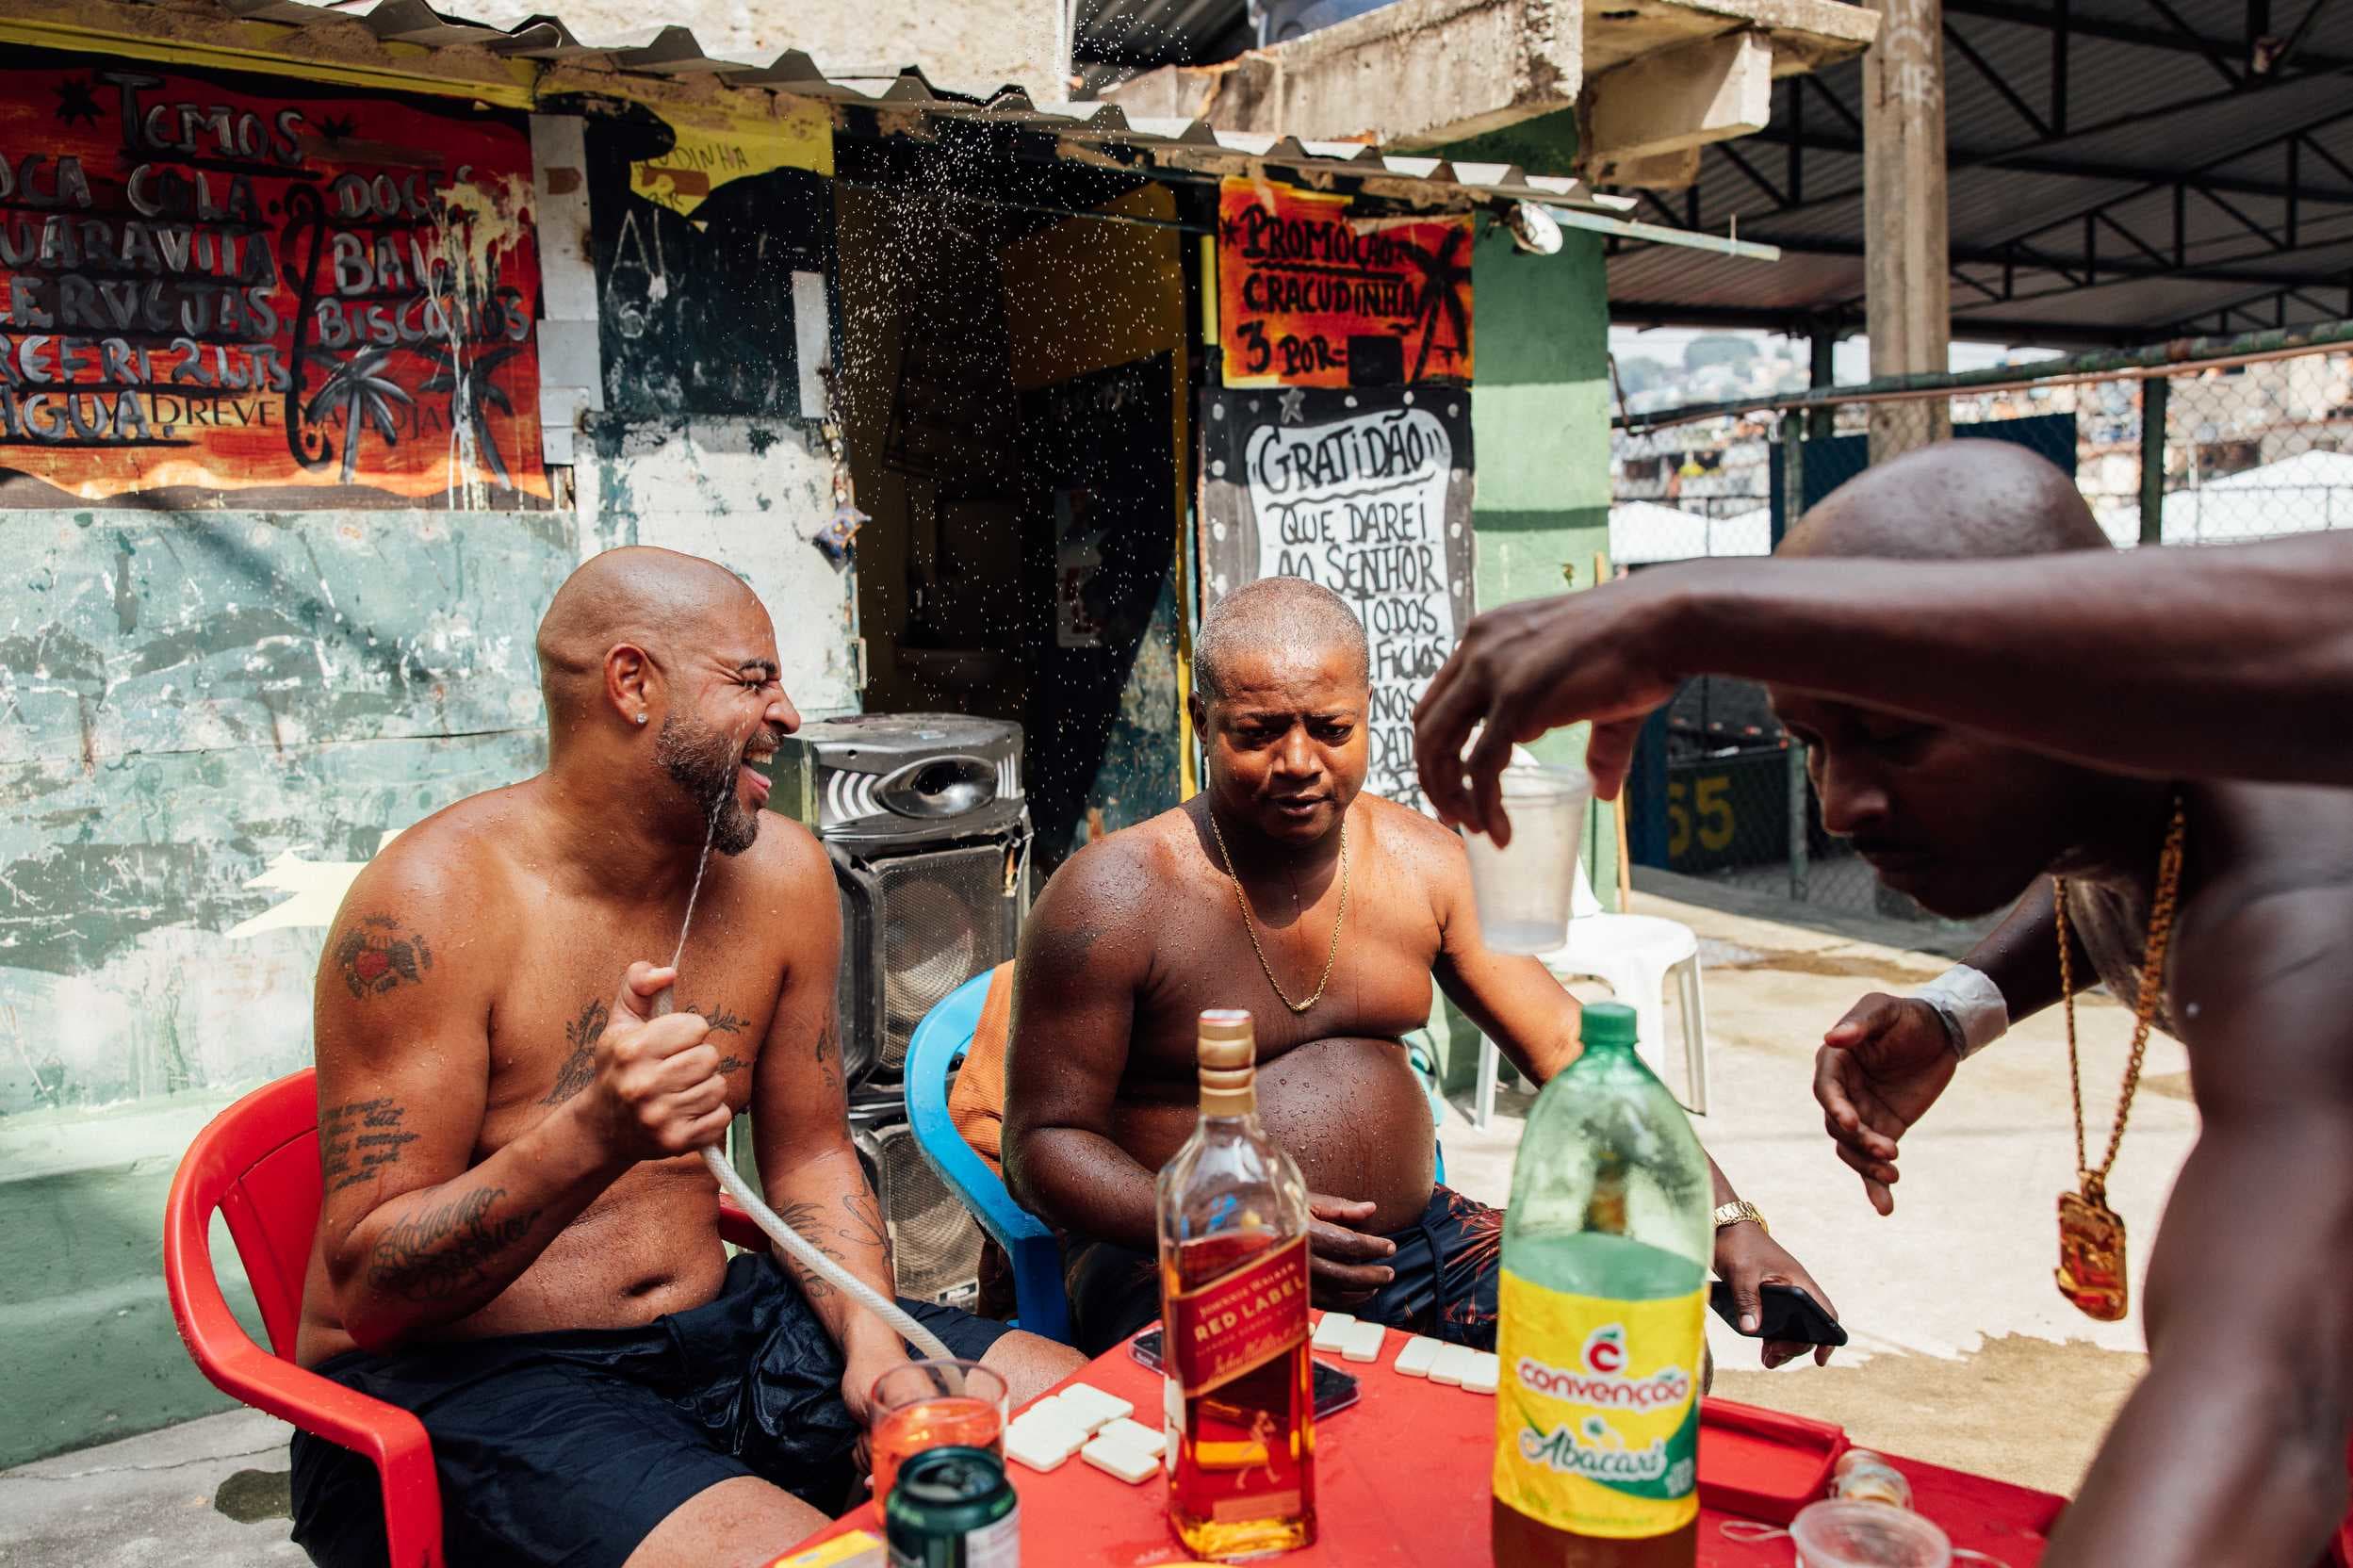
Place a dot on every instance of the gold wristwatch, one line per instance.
(1737, 1210)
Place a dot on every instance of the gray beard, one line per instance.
(703, 763)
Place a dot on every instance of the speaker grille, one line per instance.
(943, 921)
(935, 1243)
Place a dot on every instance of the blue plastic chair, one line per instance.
(938, 1043)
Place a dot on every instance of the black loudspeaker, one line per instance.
(935, 1242)
(924, 818)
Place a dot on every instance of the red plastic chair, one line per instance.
(258, 1162)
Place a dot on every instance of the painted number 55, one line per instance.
(1711, 795)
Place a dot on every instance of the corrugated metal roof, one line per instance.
(2066, 208)
(317, 36)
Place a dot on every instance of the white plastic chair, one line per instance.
(1635, 956)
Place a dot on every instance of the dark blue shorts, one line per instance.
(568, 1448)
(1449, 1265)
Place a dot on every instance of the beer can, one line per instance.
(953, 1507)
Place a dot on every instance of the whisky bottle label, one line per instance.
(1598, 1410)
(1238, 1322)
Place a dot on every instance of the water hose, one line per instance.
(730, 1179)
(817, 1262)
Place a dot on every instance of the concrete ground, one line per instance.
(1963, 1352)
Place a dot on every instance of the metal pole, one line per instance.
(1798, 866)
(1822, 421)
(1792, 508)
(2155, 391)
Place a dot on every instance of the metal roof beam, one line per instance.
(1993, 78)
(2210, 48)
(2026, 258)
(2267, 236)
(2027, 13)
(2336, 112)
(2123, 173)
(1773, 192)
(2244, 304)
(1799, 322)
(2012, 157)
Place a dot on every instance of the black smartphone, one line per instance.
(1335, 1389)
(1788, 1312)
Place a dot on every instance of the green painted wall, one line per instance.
(187, 702)
(1540, 419)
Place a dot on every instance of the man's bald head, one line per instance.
(1276, 614)
(651, 599)
(1955, 500)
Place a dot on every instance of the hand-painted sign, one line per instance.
(1310, 294)
(722, 312)
(236, 283)
(1369, 495)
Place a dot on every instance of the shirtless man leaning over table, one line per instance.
(517, 1242)
(1141, 930)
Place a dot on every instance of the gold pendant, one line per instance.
(2091, 1253)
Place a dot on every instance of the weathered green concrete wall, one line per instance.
(1540, 418)
(185, 700)
(188, 701)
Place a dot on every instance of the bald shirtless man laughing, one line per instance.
(516, 1241)
(1355, 905)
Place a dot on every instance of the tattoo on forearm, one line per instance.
(440, 1252)
(801, 1218)
(359, 1140)
(829, 1053)
(866, 1228)
(374, 957)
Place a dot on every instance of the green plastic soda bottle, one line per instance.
(1606, 1251)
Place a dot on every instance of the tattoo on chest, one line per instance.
(358, 1142)
(374, 957)
(441, 1251)
(579, 1067)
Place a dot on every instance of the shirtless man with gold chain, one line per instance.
(1327, 913)
(2221, 912)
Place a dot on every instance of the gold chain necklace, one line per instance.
(1250, 922)
(2091, 1270)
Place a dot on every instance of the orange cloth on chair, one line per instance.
(976, 1105)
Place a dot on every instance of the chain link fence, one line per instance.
(2205, 443)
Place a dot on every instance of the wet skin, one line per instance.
(1140, 932)
(519, 910)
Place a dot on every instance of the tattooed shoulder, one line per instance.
(377, 954)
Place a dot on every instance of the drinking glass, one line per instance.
(1843, 1533)
(934, 1404)
(1525, 889)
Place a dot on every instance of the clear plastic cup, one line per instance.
(1525, 889)
(1843, 1533)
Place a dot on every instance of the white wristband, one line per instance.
(1971, 1006)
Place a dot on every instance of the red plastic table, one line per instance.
(1402, 1479)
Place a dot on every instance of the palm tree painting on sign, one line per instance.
(475, 384)
(359, 387)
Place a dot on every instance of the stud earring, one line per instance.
(641, 718)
